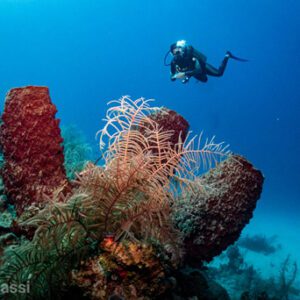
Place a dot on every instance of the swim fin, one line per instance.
(229, 54)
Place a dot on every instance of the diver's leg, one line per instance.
(201, 77)
(212, 71)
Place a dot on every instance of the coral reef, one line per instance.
(213, 217)
(6, 219)
(129, 227)
(130, 197)
(288, 275)
(128, 270)
(31, 143)
(244, 282)
(190, 283)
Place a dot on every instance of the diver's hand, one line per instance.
(179, 75)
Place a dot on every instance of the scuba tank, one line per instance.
(200, 56)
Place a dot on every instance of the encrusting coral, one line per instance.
(126, 269)
(120, 214)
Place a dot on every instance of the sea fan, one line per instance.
(76, 151)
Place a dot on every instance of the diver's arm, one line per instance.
(197, 69)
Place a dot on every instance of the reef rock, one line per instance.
(31, 144)
(215, 215)
(125, 270)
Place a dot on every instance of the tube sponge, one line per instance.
(31, 142)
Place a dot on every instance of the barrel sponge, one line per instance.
(214, 216)
(170, 120)
(31, 143)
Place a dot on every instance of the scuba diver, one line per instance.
(188, 62)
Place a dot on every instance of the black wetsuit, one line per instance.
(193, 63)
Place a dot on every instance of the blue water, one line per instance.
(90, 51)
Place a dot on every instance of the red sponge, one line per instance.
(31, 143)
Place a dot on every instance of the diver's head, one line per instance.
(178, 48)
